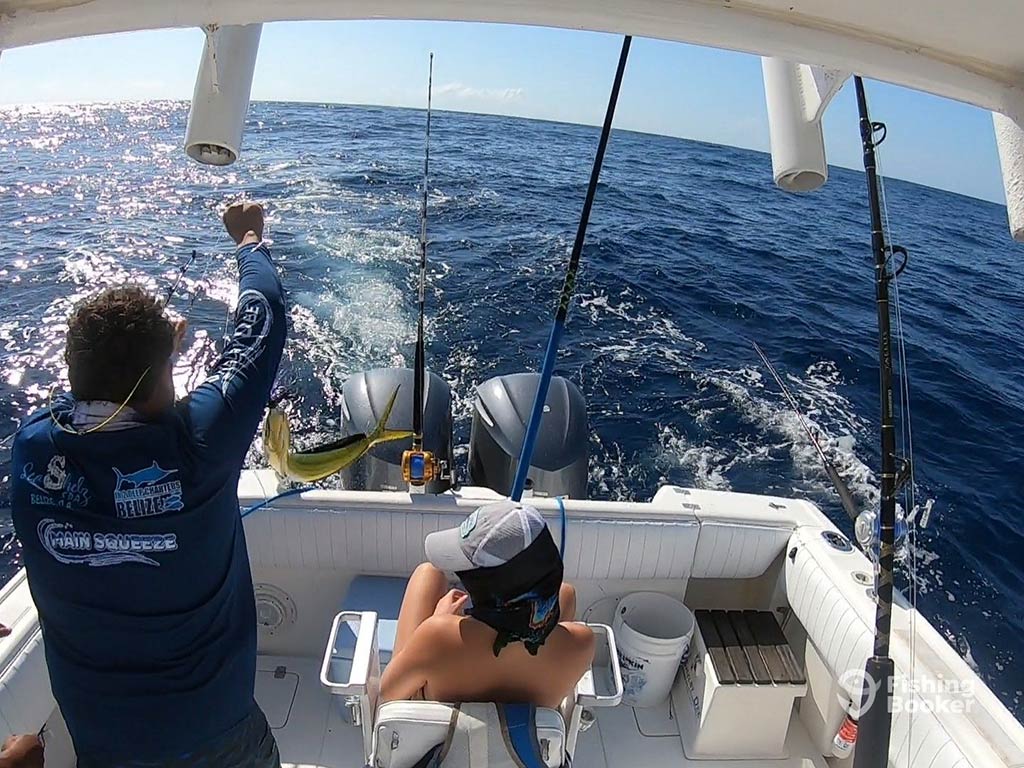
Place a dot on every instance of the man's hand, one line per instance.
(452, 604)
(180, 328)
(244, 222)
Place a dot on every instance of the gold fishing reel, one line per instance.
(420, 467)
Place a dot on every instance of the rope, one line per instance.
(102, 424)
(561, 509)
(290, 492)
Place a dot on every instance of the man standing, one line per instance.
(126, 506)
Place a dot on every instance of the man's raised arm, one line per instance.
(224, 411)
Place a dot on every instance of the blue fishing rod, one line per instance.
(568, 287)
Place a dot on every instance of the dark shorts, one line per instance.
(250, 744)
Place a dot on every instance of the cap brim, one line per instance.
(444, 551)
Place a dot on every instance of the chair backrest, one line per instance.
(474, 734)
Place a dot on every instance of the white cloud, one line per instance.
(462, 91)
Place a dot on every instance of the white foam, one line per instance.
(706, 464)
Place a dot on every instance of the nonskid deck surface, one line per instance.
(307, 724)
(312, 732)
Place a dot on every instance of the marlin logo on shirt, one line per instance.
(146, 492)
(148, 476)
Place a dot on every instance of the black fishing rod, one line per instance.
(845, 496)
(419, 466)
(181, 273)
(420, 365)
(568, 287)
(875, 712)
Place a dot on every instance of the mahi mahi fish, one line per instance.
(317, 463)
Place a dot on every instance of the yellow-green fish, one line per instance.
(317, 463)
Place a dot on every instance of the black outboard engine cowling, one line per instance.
(363, 399)
(502, 408)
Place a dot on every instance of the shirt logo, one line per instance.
(253, 321)
(56, 477)
(147, 492)
(58, 487)
(71, 547)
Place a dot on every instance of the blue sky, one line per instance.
(670, 88)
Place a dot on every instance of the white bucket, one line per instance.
(652, 633)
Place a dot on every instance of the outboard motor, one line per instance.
(503, 405)
(363, 399)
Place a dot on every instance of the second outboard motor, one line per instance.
(363, 399)
(503, 405)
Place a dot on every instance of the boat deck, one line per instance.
(312, 730)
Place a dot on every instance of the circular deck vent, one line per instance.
(275, 608)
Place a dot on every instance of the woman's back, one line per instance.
(451, 658)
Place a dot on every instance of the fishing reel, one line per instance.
(420, 467)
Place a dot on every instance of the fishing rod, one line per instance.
(845, 496)
(181, 273)
(568, 286)
(875, 713)
(419, 467)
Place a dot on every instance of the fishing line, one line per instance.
(568, 287)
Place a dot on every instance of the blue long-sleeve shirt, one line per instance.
(135, 552)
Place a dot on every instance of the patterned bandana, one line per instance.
(519, 599)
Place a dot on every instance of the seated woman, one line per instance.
(511, 638)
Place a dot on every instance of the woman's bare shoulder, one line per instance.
(578, 633)
(573, 643)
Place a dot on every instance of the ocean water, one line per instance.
(691, 255)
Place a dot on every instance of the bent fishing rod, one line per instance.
(875, 707)
(419, 466)
(568, 287)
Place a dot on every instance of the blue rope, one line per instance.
(561, 508)
(272, 499)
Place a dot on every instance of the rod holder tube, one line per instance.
(220, 101)
(797, 144)
(1010, 143)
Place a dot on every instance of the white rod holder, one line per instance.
(221, 98)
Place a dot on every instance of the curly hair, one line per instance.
(113, 337)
